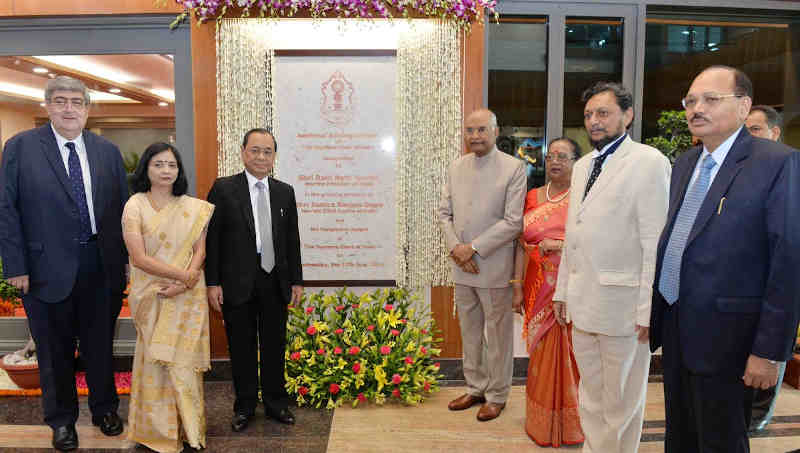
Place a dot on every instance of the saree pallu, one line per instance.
(551, 413)
(172, 345)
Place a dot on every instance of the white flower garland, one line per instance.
(429, 100)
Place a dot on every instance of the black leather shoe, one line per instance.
(110, 423)
(65, 438)
(283, 416)
(240, 422)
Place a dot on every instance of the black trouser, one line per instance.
(705, 413)
(90, 314)
(258, 326)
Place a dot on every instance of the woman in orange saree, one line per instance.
(551, 415)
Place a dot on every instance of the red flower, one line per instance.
(395, 332)
(422, 350)
(354, 350)
(356, 305)
(334, 389)
(386, 350)
(426, 386)
(403, 320)
(337, 350)
(290, 306)
(396, 379)
(424, 332)
(362, 398)
(388, 307)
(302, 390)
(437, 365)
(339, 308)
(321, 351)
(295, 355)
(309, 310)
(370, 327)
(409, 360)
(338, 331)
(311, 330)
(356, 367)
(396, 393)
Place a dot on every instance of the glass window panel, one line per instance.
(678, 48)
(593, 53)
(518, 88)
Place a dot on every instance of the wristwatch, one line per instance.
(473, 248)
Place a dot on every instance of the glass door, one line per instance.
(585, 43)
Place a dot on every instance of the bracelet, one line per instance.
(515, 281)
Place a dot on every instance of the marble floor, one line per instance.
(429, 427)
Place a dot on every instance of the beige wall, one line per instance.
(13, 120)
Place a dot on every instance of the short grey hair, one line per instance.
(64, 83)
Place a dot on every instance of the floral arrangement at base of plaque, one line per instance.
(375, 347)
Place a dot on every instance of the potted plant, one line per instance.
(21, 365)
(674, 137)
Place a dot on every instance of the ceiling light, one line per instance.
(164, 93)
(162, 104)
(20, 90)
(89, 66)
(40, 70)
(114, 90)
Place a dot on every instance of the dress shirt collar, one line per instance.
(722, 150)
(252, 180)
(61, 141)
(611, 146)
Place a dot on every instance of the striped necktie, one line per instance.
(670, 281)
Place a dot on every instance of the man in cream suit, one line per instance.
(617, 209)
(481, 216)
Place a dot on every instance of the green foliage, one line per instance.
(7, 291)
(674, 137)
(130, 160)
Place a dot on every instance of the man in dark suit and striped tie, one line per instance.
(725, 301)
(62, 191)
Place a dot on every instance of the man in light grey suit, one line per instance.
(617, 209)
(481, 216)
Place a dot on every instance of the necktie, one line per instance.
(79, 190)
(265, 229)
(670, 281)
(598, 165)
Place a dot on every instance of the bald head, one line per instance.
(480, 131)
(717, 104)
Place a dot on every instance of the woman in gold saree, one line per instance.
(164, 231)
(551, 415)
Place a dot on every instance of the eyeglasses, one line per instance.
(482, 130)
(61, 103)
(554, 157)
(258, 152)
(709, 99)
